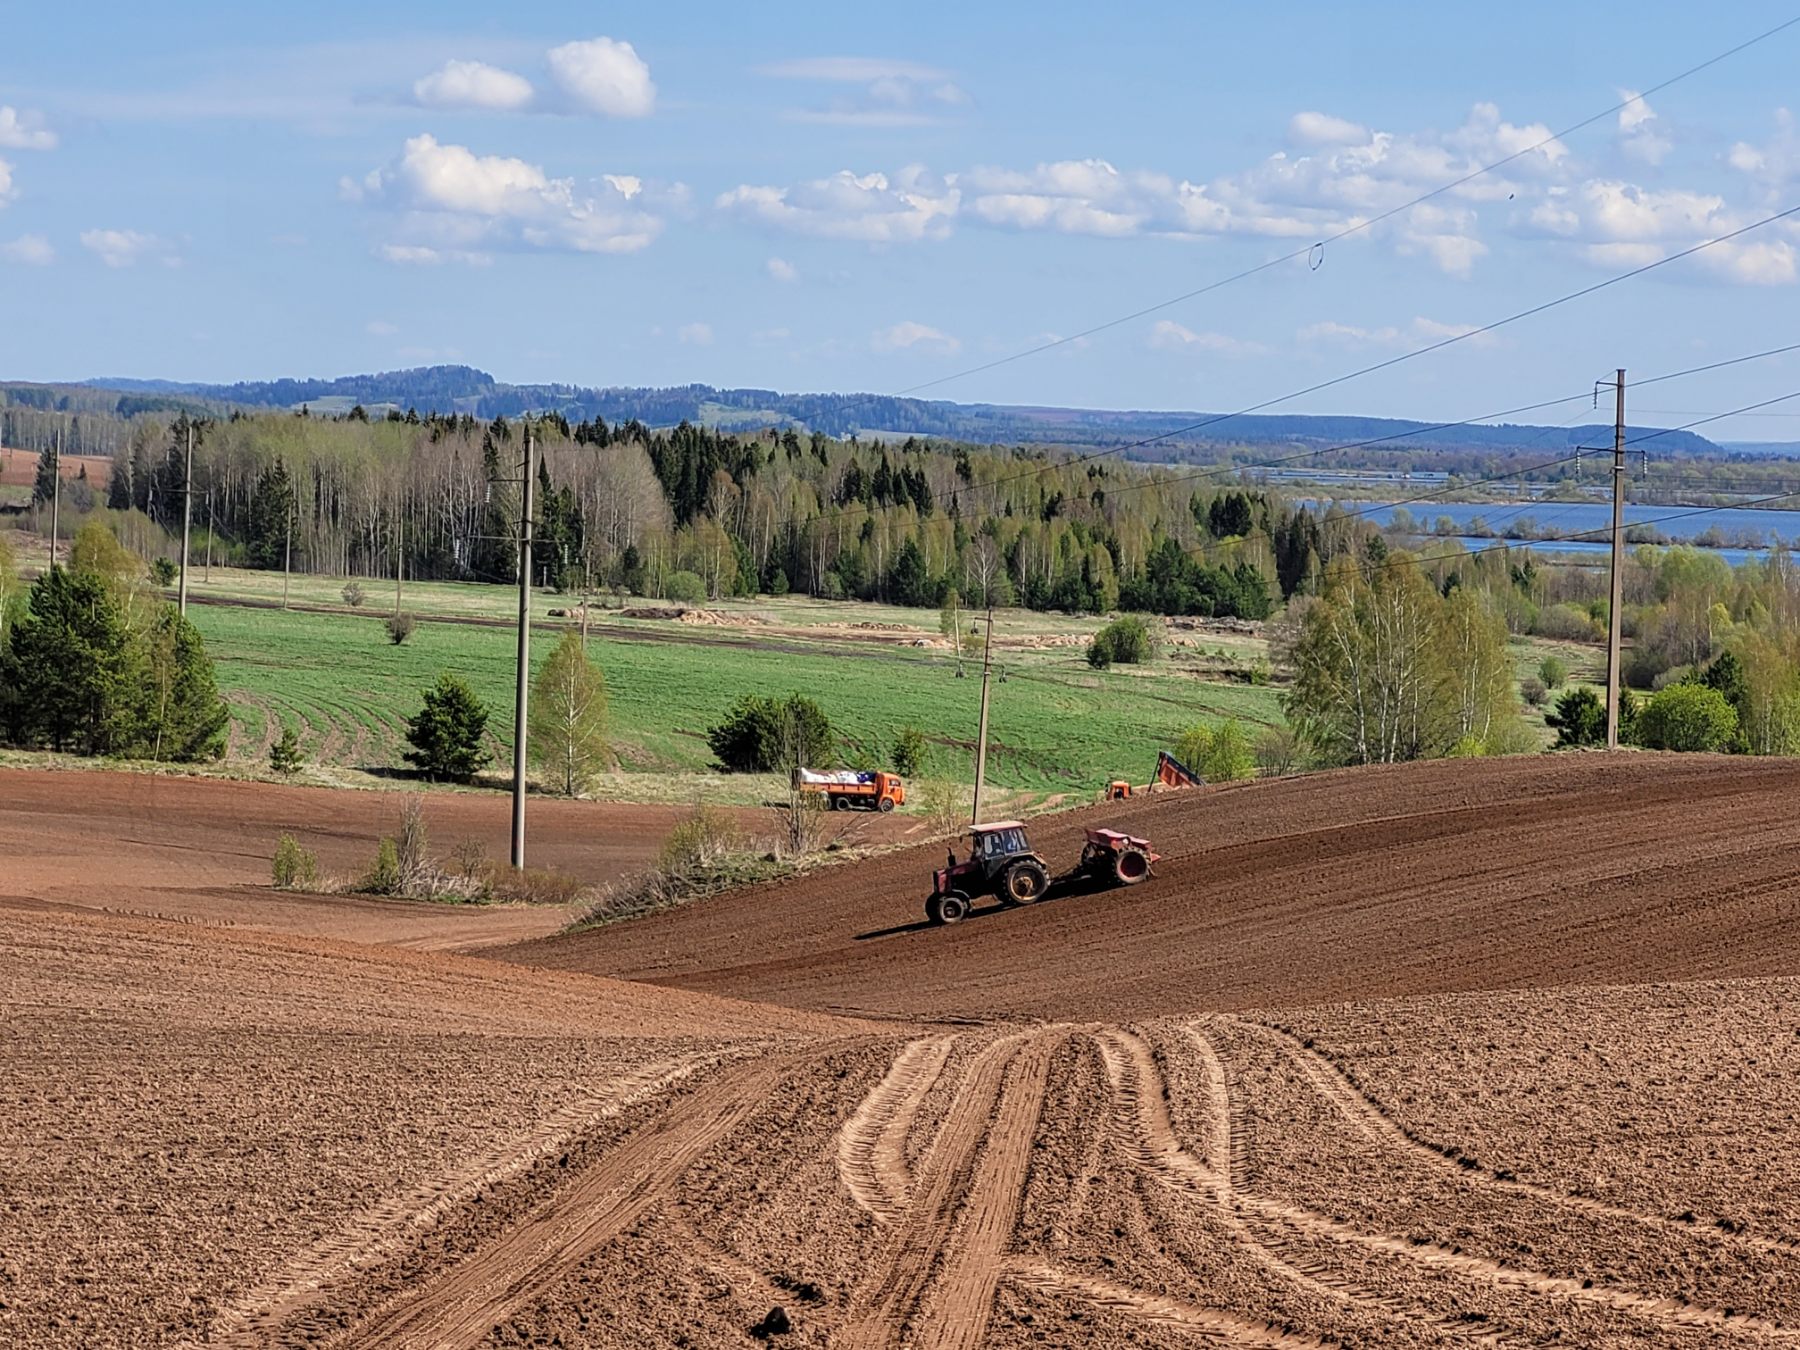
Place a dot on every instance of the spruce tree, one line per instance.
(446, 734)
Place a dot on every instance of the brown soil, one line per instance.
(1434, 1056)
(18, 468)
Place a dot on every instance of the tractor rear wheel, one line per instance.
(1026, 881)
(952, 908)
(1130, 866)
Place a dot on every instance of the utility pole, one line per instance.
(209, 532)
(1614, 617)
(187, 518)
(399, 560)
(987, 661)
(56, 495)
(524, 689)
(287, 558)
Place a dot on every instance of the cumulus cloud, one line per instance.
(419, 255)
(1639, 136)
(1317, 129)
(782, 270)
(6, 183)
(473, 84)
(1618, 225)
(1773, 165)
(24, 130)
(872, 208)
(1418, 333)
(455, 205)
(127, 248)
(31, 249)
(695, 334)
(908, 336)
(1167, 335)
(604, 76)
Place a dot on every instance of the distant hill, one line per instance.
(464, 389)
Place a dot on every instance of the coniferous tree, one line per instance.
(446, 735)
(68, 666)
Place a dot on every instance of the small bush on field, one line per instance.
(1570, 623)
(400, 627)
(1126, 641)
(1277, 751)
(294, 868)
(535, 886)
(352, 593)
(943, 801)
(1511, 736)
(1533, 691)
(384, 876)
(1467, 747)
(410, 844)
(1553, 671)
(684, 588)
(909, 751)
(284, 756)
(446, 735)
(703, 838)
(163, 571)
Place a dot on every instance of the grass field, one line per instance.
(1057, 726)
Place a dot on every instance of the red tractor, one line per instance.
(1001, 863)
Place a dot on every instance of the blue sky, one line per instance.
(867, 198)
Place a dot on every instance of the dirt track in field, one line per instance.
(1496, 1054)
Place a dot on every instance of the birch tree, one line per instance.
(568, 718)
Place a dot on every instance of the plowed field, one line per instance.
(1498, 1054)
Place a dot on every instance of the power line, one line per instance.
(1359, 226)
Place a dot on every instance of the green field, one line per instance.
(1057, 726)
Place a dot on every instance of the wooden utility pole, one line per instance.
(209, 531)
(287, 558)
(399, 560)
(187, 518)
(987, 662)
(522, 698)
(1614, 616)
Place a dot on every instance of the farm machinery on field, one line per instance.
(1002, 864)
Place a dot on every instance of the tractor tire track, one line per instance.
(871, 1157)
(389, 1227)
(1158, 1310)
(1310, 1225)
(460, 1307)
(924, 1242)
(1381, 1128)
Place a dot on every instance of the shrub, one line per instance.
(284, 756)
(706, 836)
(909, 751)
(400, 627)
(410, 844)
(1569, 623)
(760, 735)
(1466, 747)
(1553, 671)
(943, 801)
(1532, 689)
(684, 588)
(446, 734)
(352, 593)
(163, 571)
(384, 877)
(1276, 750)
(1218, 756)
(294, 868)
(535, 886)
(1511, 736)
(1579, 718)
(1686, 717)
(1126, 641)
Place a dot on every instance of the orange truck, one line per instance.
(848, 789)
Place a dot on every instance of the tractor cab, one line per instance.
(1001, 863)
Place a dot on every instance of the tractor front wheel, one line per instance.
(952, 908)
(934, 914)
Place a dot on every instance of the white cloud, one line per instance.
(893, 93)
(782, 270)
(380, 328)
(31, 249)
(24, 130)
(908, 335)
(850, 69)
(1167, 335)
(473, 84)
(455, 204)
(694, 334)
(1419, 332)
(127, 248)
(1317, 128)
(418, 255)
(764, 337)
(1638, 134)
(872, 207)
(604, 76)
(6, 183)
(1774, 164)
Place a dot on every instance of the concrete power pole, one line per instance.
(1614, 616)
(209, 530)
(520, 709)
(287, 558)
(187, 518)
(56, 496)
(987, 663)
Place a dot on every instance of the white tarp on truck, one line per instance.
(833, 778)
